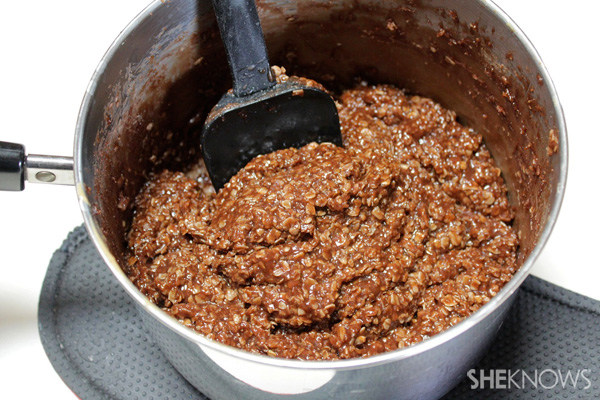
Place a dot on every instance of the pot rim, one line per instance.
(505, 293)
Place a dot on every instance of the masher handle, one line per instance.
(244, 44)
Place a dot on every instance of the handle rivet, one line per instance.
(45, 176)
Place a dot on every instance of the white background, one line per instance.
(49, 51)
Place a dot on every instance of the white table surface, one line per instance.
(49, 52)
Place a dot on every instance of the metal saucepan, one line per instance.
(155, 85)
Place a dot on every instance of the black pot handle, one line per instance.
(244, 45)
(16, 167)
(12, 166)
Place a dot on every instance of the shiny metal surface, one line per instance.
(56, 170)
(424, 371)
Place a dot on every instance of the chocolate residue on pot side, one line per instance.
(153, 119)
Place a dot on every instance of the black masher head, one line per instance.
(259, 116)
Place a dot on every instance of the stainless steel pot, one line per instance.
(160, 77)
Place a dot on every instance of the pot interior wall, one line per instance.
(151, 102)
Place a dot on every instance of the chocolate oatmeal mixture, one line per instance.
(322, 252)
